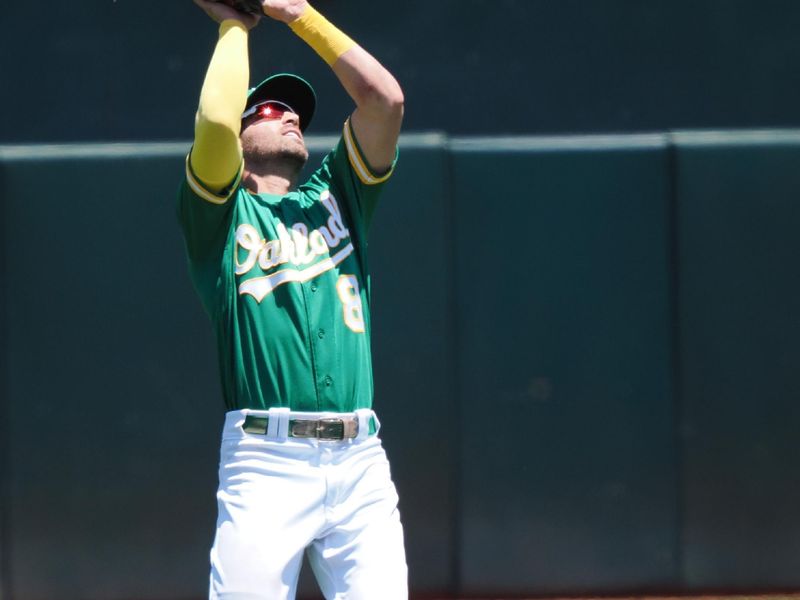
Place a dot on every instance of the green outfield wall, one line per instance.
(586, 348)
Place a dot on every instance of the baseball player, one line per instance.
(281, 267)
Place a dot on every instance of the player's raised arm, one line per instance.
(379, 99)
(216, 155)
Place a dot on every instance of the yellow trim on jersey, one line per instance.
(358, 163)
(198, 188)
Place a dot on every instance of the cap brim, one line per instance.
(290, 89)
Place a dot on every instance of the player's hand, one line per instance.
(283, 10)
(220, 11)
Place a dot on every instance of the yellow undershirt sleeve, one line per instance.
(216, 155)
(319, 33)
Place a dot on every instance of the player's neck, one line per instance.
(269, 181)
(267, 184)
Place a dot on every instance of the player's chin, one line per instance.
(294, 154)
(295, 148)
(291, 142)
(288, 151)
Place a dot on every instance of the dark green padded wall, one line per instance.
(5, 431)
(112, 393)
(563, 303)
(739, 232)
(586, 357)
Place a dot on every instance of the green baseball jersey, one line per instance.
(285, 281)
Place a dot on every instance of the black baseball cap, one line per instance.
(290, 89)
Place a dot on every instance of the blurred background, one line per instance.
(586, 327)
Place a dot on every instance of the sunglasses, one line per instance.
(269, 109)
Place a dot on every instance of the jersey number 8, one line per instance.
(347, 287)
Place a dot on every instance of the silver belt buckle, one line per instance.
(330, 430)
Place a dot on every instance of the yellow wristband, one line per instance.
(322, 35)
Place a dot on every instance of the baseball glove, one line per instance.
(245, 6)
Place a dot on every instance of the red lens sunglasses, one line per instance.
(269, 109)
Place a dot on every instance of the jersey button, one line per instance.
(313, 287)
(321, 333)
(328, 380)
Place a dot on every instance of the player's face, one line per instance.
(272, 131)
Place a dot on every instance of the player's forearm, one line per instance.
(374, 90)
(378, 116)
(378, 97)
(216, 153)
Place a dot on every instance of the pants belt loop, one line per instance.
(364, 415)
(377, 423)
(241, 416)
(278, 426)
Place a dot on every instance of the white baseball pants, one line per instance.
(280, 496)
